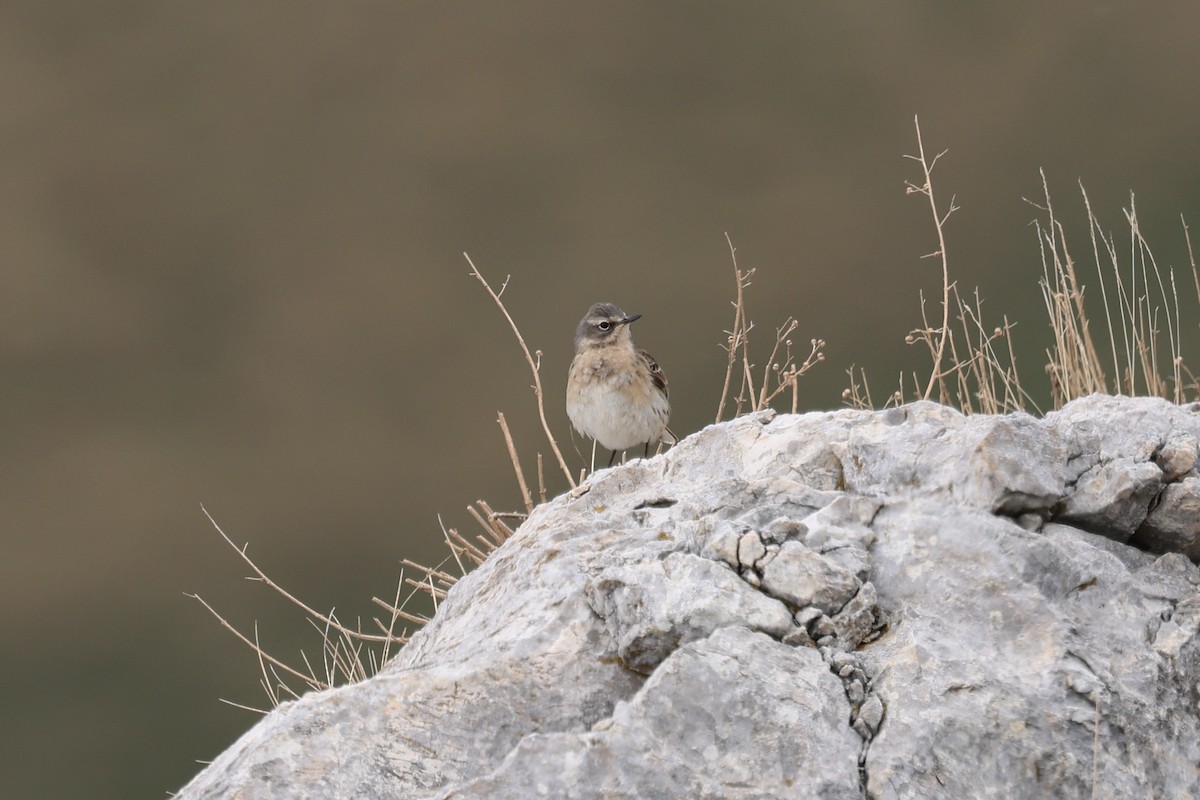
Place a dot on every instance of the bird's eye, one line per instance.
(604, 325)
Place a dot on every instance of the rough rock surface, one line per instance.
(899, 604)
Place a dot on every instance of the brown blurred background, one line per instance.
(231, 274)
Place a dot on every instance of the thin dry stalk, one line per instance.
(738, 336)
(1149, 266)
(534, 366)
(781, 339)
(416, 619)
(541, 480)
(445, 579)
(264, 578)
(516, 462)
(787, 372)
(347, 655)
(1187, 237)
(997, 386)
(491, 522)
(460, 545)
(730, 349)
(385, 653)
(939, 221)
(1142, 307)
(1073, 362)
(252, 643)
(243, 707)
(462, 570)
(858, 396)
(780, 373)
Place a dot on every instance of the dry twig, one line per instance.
(534, 367)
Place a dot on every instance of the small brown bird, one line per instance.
(616, 393)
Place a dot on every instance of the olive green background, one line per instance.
(231, 273)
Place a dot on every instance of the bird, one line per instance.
(616, 392)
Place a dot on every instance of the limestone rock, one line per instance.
(780, 714)
(1173, 525)
(804, 578)
(654, 607)
(908, 603)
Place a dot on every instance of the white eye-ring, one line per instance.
(604, 325)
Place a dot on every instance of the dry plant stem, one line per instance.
(399, 612)
(1016, 373)
(788, 374)
(738, 343)
(1093, 230)
(781, 362)
(462, 570)
(243, 707)
(347, 653)
(541, 481)
(534, 367)
(253, 645)
(492, 522)
(429, 589)
(781, 335)
(262, 576)
(444, 578)
(746, 393)
(1143, 317)
(855, 396)
(739, 316)
(939, 221)
(1073, 363)
(1187, 237)
(390, 632)
(459, 545)
(516, 462)
(1148, 264)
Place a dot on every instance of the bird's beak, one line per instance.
(631, 318)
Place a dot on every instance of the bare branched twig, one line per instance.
(939, 222)
(534, 366)
(736, 337)
(780, 373)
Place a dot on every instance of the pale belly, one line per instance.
(617, 414)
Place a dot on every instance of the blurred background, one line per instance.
(231, 273)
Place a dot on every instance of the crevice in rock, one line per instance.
(1154, 501)
(661, 502)
(866, 707)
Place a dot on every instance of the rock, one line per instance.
(1178, 456)
(808, 615)
(966, 622)
(1038, 680)
(1113, 498)
(652, 608)
(761, 716)
(1173, 526)
(857, 619)
(803, 578)
(750, 549)
(872, 713)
